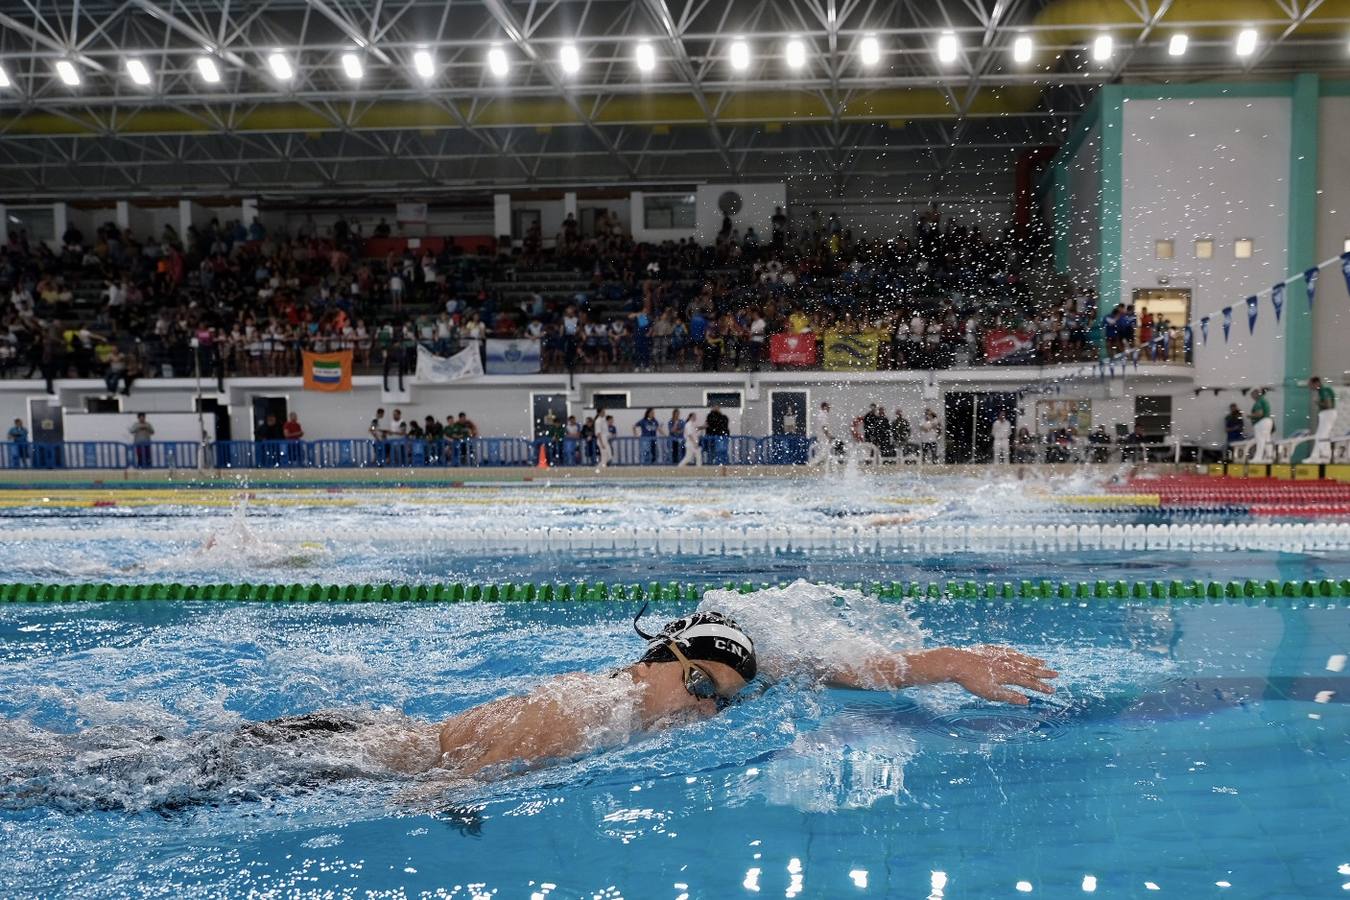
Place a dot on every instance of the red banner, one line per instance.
(1008, 346)
(792, 349)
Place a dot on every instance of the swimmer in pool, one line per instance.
(692, 669)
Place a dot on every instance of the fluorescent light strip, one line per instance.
(1022, 48)
(206, 67)
(351, 64)
(1177, 45)
(66, 71)
(1103, 47)
(138, 72)
(1246, 42)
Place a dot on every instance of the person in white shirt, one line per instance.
(929, 429)
(1001, 429)
(692, 442)
(828, 446)
(396, 290)
(758, 327)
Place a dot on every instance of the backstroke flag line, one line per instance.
(330, 372)
(433, 369)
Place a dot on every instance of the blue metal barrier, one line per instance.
(736, 450)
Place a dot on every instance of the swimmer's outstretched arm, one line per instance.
(985, 671)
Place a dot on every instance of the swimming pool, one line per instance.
(1192, 748)
(1186, 748)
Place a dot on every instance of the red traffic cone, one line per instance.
(543, 458)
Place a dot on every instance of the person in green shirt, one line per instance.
(1326, 420)
(1263, 427)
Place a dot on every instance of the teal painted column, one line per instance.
(1302, 243)
(1063, 228)
(1111, 98)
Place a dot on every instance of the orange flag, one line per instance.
(328, 371)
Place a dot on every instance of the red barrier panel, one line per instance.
(792, 349)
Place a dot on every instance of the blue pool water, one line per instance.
(1185, 749)
(1195, 750)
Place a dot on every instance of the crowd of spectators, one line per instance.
(231, 299)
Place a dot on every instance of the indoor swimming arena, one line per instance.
(627, 449)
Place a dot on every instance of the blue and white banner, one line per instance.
(1204, 330)
(1189, 337)
(512, 357)
(433, 369)
(1227, 322)
(1277, 299)
(1345, 268)
(1310, 279)
(1251, 314)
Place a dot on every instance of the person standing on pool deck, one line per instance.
(1326, 419)
(718, 429)
(675, 431)
(601, 438)
(648, 429)
(1263, 427)
(18, 436)
(141, 434)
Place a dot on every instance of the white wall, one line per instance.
(757, 204)
(1331, 314)
(1213, 168)
(175, 426)
(1085, 184)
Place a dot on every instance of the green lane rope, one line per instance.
(1326, 592)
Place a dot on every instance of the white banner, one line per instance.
(520, 356)
(410, 212)
(433, 369)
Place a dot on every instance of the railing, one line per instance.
(735, 450)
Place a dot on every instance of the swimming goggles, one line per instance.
(697, 681)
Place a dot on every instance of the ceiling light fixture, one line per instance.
(869, 51)
(351, 64)
(1103, 47)
(1177, 45)
(569, 59)
(948, 47)
(740, 55)
(206, 67)
(66, 71)
(1022, 48)
(498, 64)
(645, 55)
(281, 67)
(795, 54)
(424, 64)
(138, 72)
(1246, 42)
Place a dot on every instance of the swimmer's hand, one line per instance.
(985, 671)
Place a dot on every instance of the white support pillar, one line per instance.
(60, 220)
(570, 204)
(184, 218)
(248, 211)
(501, 215)
(4, 221)
(123, 214)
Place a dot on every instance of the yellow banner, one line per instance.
(844, 352)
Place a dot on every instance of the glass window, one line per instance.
(724, 399)
(1242, 249)
(1163, 249)
(1204, 249)
(668, 211)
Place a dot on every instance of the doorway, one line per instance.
(544, 405)
(787, 412)
(522, 220)
(264, 407)
(1158, 305)
(967, 423)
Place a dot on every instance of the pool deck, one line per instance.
(309, 478)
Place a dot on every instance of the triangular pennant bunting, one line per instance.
(1310, 280)
(1227, 322)
(1190, 339)
(1204, 330)
(1277, 299)
(1345, 268)
(1251, 315)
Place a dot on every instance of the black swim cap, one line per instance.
(706, 636)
